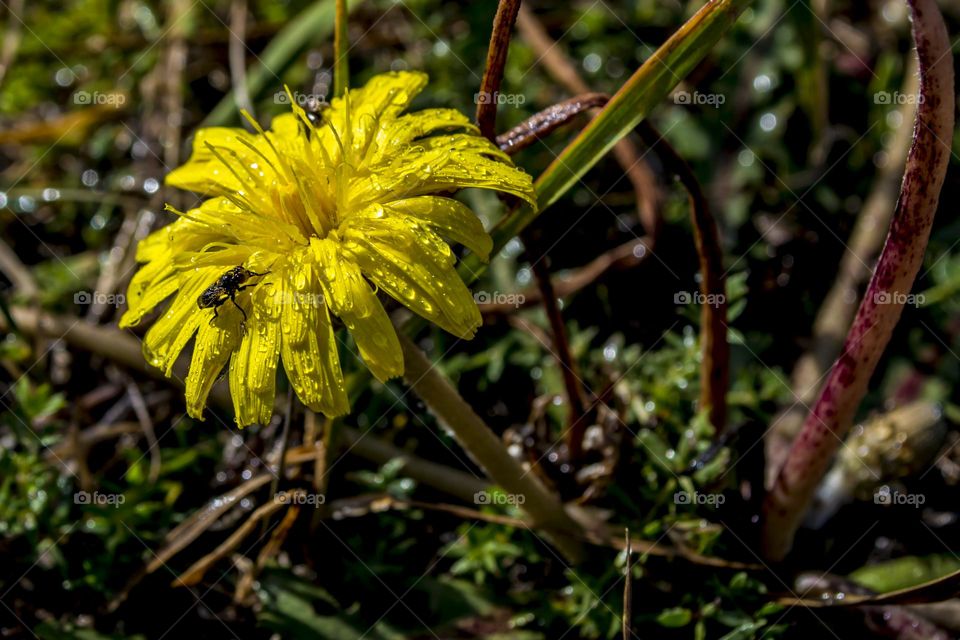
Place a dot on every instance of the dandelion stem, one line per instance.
(839, 306)
(459, 418)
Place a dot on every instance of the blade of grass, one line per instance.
(650, 84)
(341, 63)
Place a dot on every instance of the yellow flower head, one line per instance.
(330, 210)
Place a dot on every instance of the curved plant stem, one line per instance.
(837, 311)
(569, 370)
(715, 363)
(496, 60)
(486, 119)
(883, 302)
(486, 449)
(341, 62)
(715, 366)
(545, 122)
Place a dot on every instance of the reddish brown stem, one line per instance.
(543, 123)
(880, 309)
(715, 364)
(625, 256)
(496, 60)
(577, 425)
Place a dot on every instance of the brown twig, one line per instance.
(625, 256)
(715, 364)
(198, 569)
(576, 422)
(182, 535)
(267, 553)
(496, 60)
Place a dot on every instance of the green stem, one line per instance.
(341, 65)
(461, 421)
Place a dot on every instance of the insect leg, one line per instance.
(234, 301)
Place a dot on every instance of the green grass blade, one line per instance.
(341, 67)
(651, 83)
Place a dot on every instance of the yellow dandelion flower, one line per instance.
(330, 210)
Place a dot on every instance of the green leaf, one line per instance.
(676, 617)
(905, 572)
